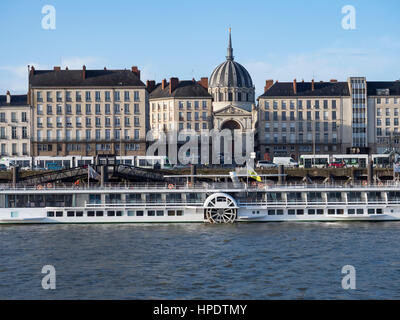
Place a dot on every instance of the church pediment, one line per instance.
(232, 110)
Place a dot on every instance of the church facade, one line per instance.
(233, 93)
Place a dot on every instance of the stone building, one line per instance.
(15, 124)
(179, 105)
(88, 112)
(357, 116)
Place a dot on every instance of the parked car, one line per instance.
(3, 167)
(337, 164)
(266, 164)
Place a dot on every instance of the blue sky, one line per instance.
(279, 40)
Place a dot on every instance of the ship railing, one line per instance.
(313, 203)
(143, 204)
(196, 186)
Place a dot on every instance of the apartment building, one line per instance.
(383, 116)
(88, 112)
(14, 125)
(180, 105)
(304, 118)
(357, 116)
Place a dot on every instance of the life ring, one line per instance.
(254, 183)
(380, 184)
(49, 186)
(39, 187)
(189, 184)
(365, 183)
(171, 186)
(260, 185)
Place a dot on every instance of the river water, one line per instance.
(201, 261)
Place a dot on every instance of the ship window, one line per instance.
(271, 212)
(375, 196)
(134, 198)
(160, 213)
(151, 213)
(314, 197)
(139, 213)
(354, 197)
(300, 211)
(331, 211)
(291, 211)
(171, 213)
(279, 212)
(320, 211)
(70, 214)
(59, 213)
(394, 196)
(360, 211)
(294, 197)
(311, 211)
(50, 213)
(379, 211)
(119, 213)
(339, 211)
(99, 213)
(371, 211)
(351, 211)
(179, 212)
(110, 213)
(334, 197)
(79, 214)
(274, 197)
(131, 213)
(90, 213)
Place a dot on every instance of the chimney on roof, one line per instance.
(204, 83)
(32, 70)
(312, 85)
(136, 71)
(66, 68)
(57, 68)
(163, 84)
(333, 81)
(268, 85)
(84, 72)
(8, 97)
(295, 86)
(173, 84)
(105, 68)
(150, 85)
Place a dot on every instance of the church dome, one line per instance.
(230, 73)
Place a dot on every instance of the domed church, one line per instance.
(233, 95)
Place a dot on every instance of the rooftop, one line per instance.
(85, 78)
(16, 100)
(305, 89)
(181, 89)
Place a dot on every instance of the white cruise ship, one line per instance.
(205, 203)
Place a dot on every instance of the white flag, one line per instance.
(93, 174)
